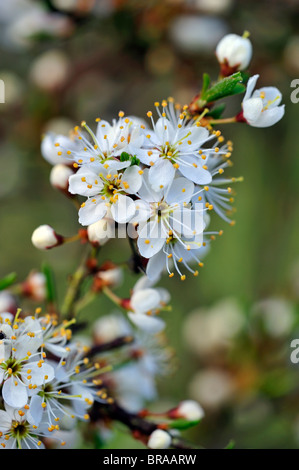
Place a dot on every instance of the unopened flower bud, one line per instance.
(59, 176)
(7, 303)
(111, 277)
(233, 53)
(159, 439)
(44, 237)
(35, 286)
(100, 232)
(189, 410)
(110, 327)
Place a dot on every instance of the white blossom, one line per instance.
(261, 107)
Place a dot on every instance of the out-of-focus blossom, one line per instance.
(35, 286)
(209, 331)
(50, 70)
(159, 439)
(212, 388)
(214, 6)
(146, 303)
(197, 34)
(276, 316)
(7, 302)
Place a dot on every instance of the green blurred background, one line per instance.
(124, 55)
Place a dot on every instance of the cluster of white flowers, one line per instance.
(162, 181)
(44, 378)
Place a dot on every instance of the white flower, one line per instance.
(106, 189)
(50, 144)
(174, 144)
(162, 211)
(22, 366)
(16, 432)
(261, 107)
(44, 237)
(159, 439)
(59, 176)
(168, 225)
(190, 410)
(108, 143)
(134, 383)
(145, 303)
(218, 195)
(234, 51)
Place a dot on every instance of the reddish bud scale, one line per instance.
(226, 70)
(126, 303)
(240, 117)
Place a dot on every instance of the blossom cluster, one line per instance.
(46, 379)
(163, 181)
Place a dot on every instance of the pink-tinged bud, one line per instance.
(189, 410)
(112, 277)
(8, 303)
(159, 439)
(44, 237)
(126, 304)
(233, 53)
(100, 232)
(35, 287)
(59, 177)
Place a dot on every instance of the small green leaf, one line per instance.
(216, 113)
(205, 83)
(135, 160)
(50, 284)
(230, 445)
(182, 424)
(124, 157)
(7, 281)
(225, 87)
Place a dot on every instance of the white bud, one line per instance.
(190, 410)
(234, 51)
(35, 286)
(159, 439)
(44, 237)
(59, 176)
(110, 327)
(7, 302)
(111, 277)
(100, 232)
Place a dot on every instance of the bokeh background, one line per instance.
(230, 327)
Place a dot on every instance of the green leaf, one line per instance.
(225, 87)
(124, 157)
(182, 424)
(7, 281)
(50, 284)
(216, 113)
(134, 160)
(205, 83)
(230, 445)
